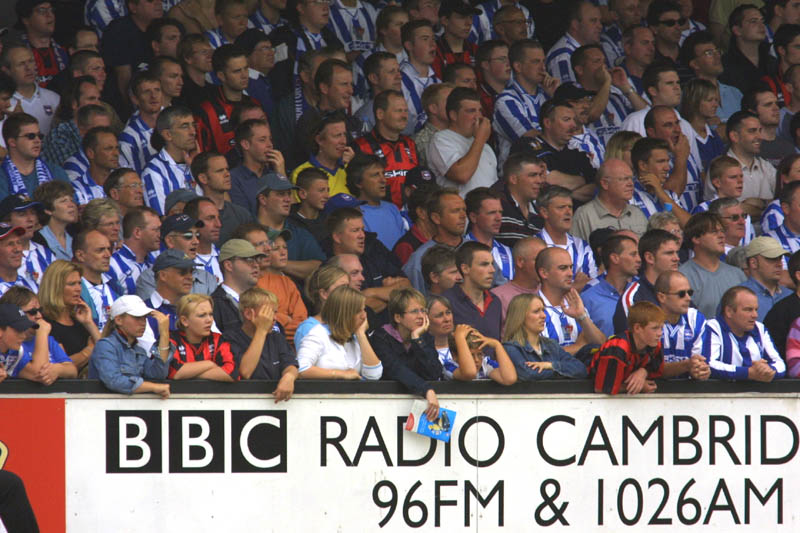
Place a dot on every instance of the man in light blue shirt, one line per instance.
(764, 262)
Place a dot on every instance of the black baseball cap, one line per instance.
(569, 91)
(14, 317)
(419, 177)
(249, 39)
(449, 7)
(179, 223)
(16, 202)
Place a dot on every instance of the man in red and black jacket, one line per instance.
(631, 361)
(453, 47)
(215, 129)
(386, 141)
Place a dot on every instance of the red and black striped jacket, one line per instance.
(214, 125)
(400, 156)
(445, 55)
(617, 359)
(211, 349)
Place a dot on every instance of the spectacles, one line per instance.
(671, 22)
(31, 136)
(189, 235)
(503, 59)
(682, 294)
(712, 52)
(249, 260)
(733, 218)
(33, 312)
(320, 2)
(130, 186)
(44, 11)
(415, 312)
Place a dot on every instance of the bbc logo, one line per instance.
(197, 441)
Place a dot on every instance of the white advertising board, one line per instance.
(561, 463)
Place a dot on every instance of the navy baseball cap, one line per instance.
(8, 229)
(179, 223)
(337, 201)
(569, 91)
(276, 182)
(14, 317)
(172, 258)
(16, 202)
(178, 195)
(419, 177)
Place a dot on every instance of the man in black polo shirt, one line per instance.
(523, 177)
(472, 302)
(568, 168)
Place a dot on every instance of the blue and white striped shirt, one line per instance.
(789, 241)
(35, 261)
(354, 26)
(588, 143)
(611, 41)
(558, 59)
(99, 13)
(162, 176)
(259, 21)
(76, 165)
(678, 340)
(693, 193)
(579, 250)
(86, 189)
(216, 38)
(772, 217)
(482, 27)
(610, 122)
(125, 270)
(210, 263)
(730, 356)
(22, 281)
(102, 297)
(648, 203)
(413, 86)
(558, 326)
(501, 255)
(135, 150)
(516, 112)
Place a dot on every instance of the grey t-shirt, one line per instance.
(710, 286)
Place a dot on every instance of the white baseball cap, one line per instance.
(129, 304)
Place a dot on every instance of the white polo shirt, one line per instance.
(42, 105)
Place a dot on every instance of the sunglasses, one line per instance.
(31, 136)
(189, 235)
(33, 312)
(671, 22)
(682, 294)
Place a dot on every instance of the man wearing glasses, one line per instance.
(22, 171)
(39, 22)
(664, 18)
(682, 329)
(180, 233)
(701, 54)
(705, 271)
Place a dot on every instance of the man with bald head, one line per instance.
(93, 253)
(620, 256)
(525, 280)
(685, 178)
(567, 322)
(611, 207)
(683, 328)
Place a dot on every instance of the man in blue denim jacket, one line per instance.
(121, 364)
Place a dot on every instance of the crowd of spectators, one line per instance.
(347, 189)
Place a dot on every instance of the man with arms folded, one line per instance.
(737, 346)
(683, 327)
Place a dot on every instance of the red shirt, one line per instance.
(617, 359)
(445, 56)
(211, 349)
(214, 125)
(400, 156)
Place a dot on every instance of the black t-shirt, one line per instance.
(276, 355)
(73, 338)
(568, 161)
(125, 44)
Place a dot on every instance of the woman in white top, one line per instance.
(338, 348)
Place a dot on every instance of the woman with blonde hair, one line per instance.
(199, 352)
(318, 286)
(620, 144)
(406, 349)
(534, 356)
(65, 310)
(338, 348)
(699, 108)
(102, 214)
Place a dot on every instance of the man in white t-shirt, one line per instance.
(18, 62)
(459, 155)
